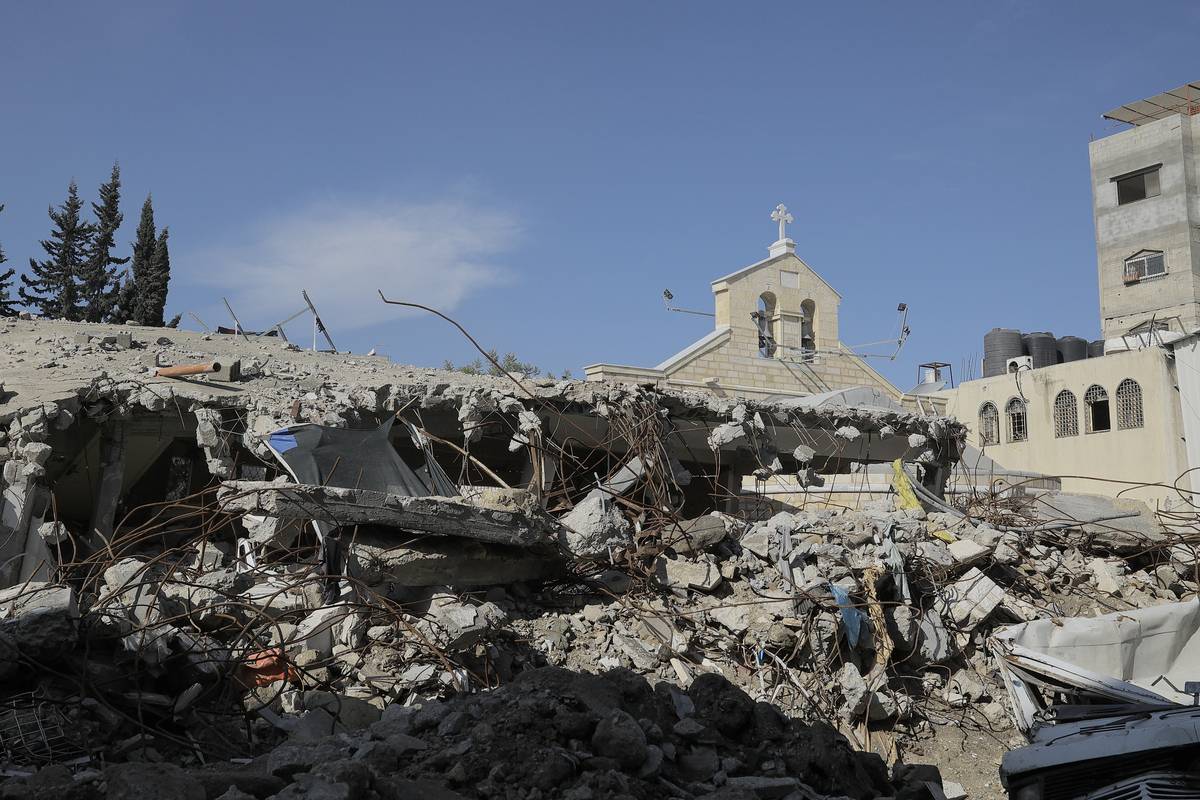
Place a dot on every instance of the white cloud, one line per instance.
(436, 254)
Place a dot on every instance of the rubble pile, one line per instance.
(329, 576)
(877, 617)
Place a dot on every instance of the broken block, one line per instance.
(39, 619)
(971, 599)
(680, 574)
(595, 525)
(966, 551)
(1108, 579)
(456, 625)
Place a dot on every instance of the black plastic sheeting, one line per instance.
(358, 459)
(355, 459)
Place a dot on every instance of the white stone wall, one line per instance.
(1109, 462)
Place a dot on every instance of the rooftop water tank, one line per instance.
(999, 345)
(1043, 348)
(1072, 348)
(1095, 349)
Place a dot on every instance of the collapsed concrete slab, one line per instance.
(349, 507)
(382, 557)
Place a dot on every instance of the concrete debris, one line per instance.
(604, 609)
(697, 535)
(682, 574)
(727, 434)
(595, 526)
(346, 507)
(971, 599)
(967, 551)
(1106, 575)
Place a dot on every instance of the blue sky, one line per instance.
(541, 171)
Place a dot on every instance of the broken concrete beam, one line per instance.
(422, 561)
(499, 498)
(348, 507)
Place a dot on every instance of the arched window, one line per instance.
(1096, 416)
(1018, 427)
(1129, 404)
(764, 319)
(808, 326)
(1066, 415)
(989, 424)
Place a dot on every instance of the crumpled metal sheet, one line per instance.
(1138, 656)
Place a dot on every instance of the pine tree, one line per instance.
(6, 301)
(129, 305)
(52, 287)
(99, 286)
(152, 291)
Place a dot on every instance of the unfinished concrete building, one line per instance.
(1146, 199)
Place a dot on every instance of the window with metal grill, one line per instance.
(1129, 404)
(1066, 415)
(1096, 415)
(989, 424)
(1018, 426)
(1146, 264)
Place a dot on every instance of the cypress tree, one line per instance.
(98, 282)
(129, 305)
(52, 286)
(152, 292)
(6, 301)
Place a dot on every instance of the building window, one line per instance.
(1095, 404)
(989, 424)
(1138, 185)
(765, 321)
(1018, 428)
(1066, 415)
(1146, 264)
(1129, 404)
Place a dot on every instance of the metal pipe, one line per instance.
(183, 370)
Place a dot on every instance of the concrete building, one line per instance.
(1146, 200)
(1112, 425)
(1125, 423)
(775, 333)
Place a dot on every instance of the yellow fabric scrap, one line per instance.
(908, 498)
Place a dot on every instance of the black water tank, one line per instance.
(1095, 349)
(1072, 348)
(999, 345)
(1043, 348)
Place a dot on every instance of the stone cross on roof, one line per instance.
(781, 215)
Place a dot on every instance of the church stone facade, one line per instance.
(775, 333)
